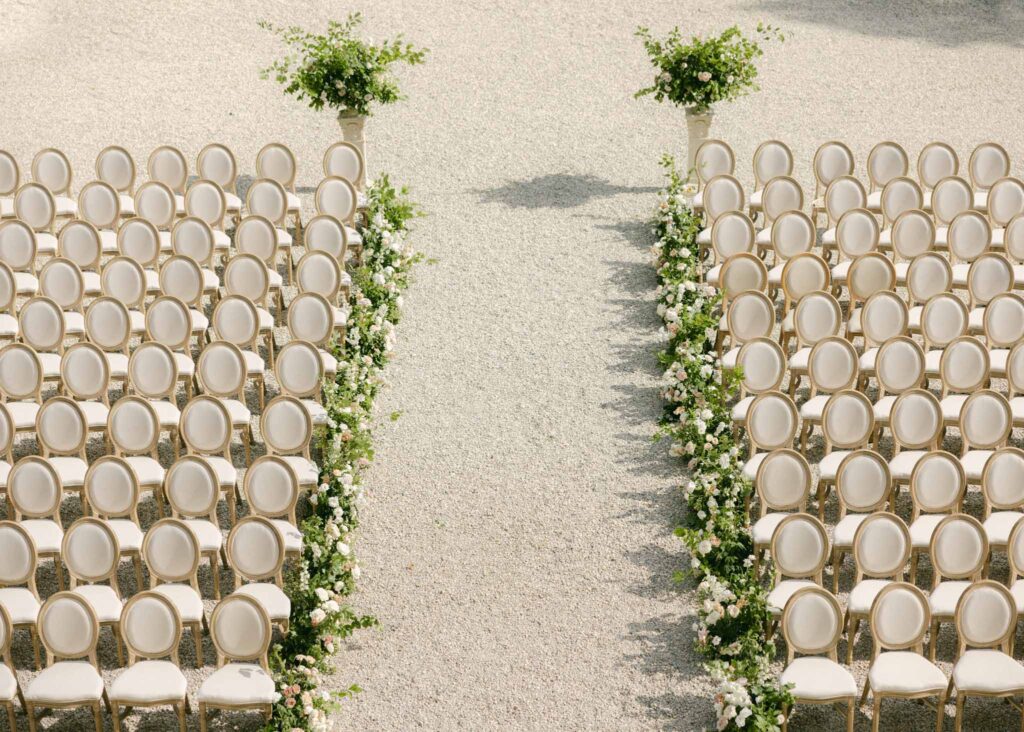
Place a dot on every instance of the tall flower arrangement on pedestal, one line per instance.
(732, 609)
(326, 574)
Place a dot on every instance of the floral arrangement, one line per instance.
(328, 570)
(705, 70)
(732, 609)
(338, 68)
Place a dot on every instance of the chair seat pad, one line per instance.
(152, 281)
(127, 204)
(270, 596)
(981, 200)
(846, 529)
(147, 470)
(703, 237)
(8, 683)
(814, 677)
(730, 356)
(118, 363)
(799, 360)
(739, 409)
(974, 463)
(149, 681)
(51, 364)
(186, 366)
(943, 599)
(318, 415)
(45, 533)
(781, 593)
(828, 238)
(227, 475)
(234, 203)
(65, 682)
(239, 413)
(128, 533)
(221, 240)
(932, 360)
(95, 414)
(999, 525)
(711, 276)
(71, 470)
(291, 534)
(853, 326)
(8, 325)
(108, 241)
(5, 470)
(951, 406)
(186, 600)
(276, 280)
(902, 465)
(74, 323)
(764, 237)
(874, 202)
(914, 321)
(901, 272)
(976, 320)
(284, 239)
(20, 603)
(46, 243)
(136, 321)
(266, 319)
(306, 470)
(104, 601)
(165, 241)
(864, 594)
(750, 467)
(997, 358)
(883, 408)
(199, 320)
(987, 670)
(1017, 590)
(828, 468)
(1017, 408)
(207, 534)
(775, 275)
(294, 204)
(168, 413)
(764, 527)
(7, 207)
(238, 683)
(330, 363)
(23, 414)
(25, 283)
(905, 672)
(922, 528)
(253, 363)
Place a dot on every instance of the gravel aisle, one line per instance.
(516, 543)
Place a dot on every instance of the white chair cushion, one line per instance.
(165, 241)
(863, 594)
(307, 470)
(51, 365)
(66, 206)
(136, 322)
(330, 363)
(234, 203)
(781, 593)
(901, 272)
(932, 360)
(127, 204)
(20, 603)
(65, 682)
(711, 277)
(284, 239)
(828, 238)
(152, 281)
(239, 413)
(108, 241)
(729, 359)
(168, 413)
(253, 363)
(45, 533)
(25, 283)
(960, 274)
(238, 683)
(74, 323)
(981, 200)
(147, 470)
(875, 201)
(95, 414)
(905, 672)
(118, 363)
(71, 470)
(8, 325)
(317, 413)
(764, 527)
(104, 601)
(987, 670)
(997, 358)
(23, 414)
(999, 525)
(276, 281)
(885, 239)
(867, 361)
(846, 529)
(914, 322)
(951, 407)
(853, 326)
(5, 470)
(46, 243)
(186, 366)
(1017, 408)
(149, 681)
(186, 600)
(902, 465)
(813, 409)
(829, 465)
(266, 319)
(974, 463)
(226, 472)
(882, 409)
(775, 275)
(976, 320)
(270, 596)
(739, 409)
(944, 598)
(704, 237)
(294, 204)
(922, 529)
(292, 535)
(814, 677)
(798, 361)
(200, 323)
(128, 533)
(764, 237)
(221, 240)
(8, 683)
(1017, 590)
(209, 536)
(750, 467)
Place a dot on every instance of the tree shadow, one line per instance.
(952, 24)
(555, 190)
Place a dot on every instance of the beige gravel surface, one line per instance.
(516, 543)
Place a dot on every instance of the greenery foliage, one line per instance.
(328, 570)
(704, 71)
(339, 69)
(732, 609)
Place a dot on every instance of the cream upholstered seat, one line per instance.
(916, 423)
(732, 233)
(206, 431)
(869, 273)
(927, 275)
(80, 242)
(108, 326)
(85, 373)
(116, 167)
(899, 366)
(169, 321)
(899, 621)
(721, 194)
(325, 233)
(881, 548)
(831, 367)
(799, 550)
(299, 372)
(272, 490)
(712, 158)
(772, 423)
(781, 194)
(937, 160)
(256, 235)
(963, 369)
(236, 320)
(139, 240)
(21, 381)
(241, 632)
(985, 425)
(18, 567)
(172, 554)
(883, 317)
(1002, 484)
(863, 486)
(34, 492)
(937, 488)
(856, 234)
(311, 318)
(988, 163)
(124, 279)
(222, 374)
(112, 493)
(287, 431)
(247, 275)
(217, 163)
(959, 552)
(167, 165)
(157, 203)
(153, 375)
(256, 552)
(985, 619)
(817, 316)
(91, 555)
(152, 630)
(761, 360)
(812, 624)
(751, 315)
(268, 198)
(62, 431)
(181, 277)
(772, 158)
(205, 201)
(848, 423)
(844, 193)
(337, 197)
(900, 194)
(277, 162)
(886, 161)
(69, 630)
(193, 491)
(134, 429)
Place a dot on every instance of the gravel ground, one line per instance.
(516, 544)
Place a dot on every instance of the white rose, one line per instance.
(704, 76)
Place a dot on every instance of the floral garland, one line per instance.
(732, 609)
(327, 573)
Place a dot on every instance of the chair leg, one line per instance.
(215, 571)
(785, 717)
(180, 709)
(958, 720)
(876, 713)
(115, 628)
(202, 717)
(934, 641)
(940, 711)
(197, 636)
(137, 562)
(246, 443)
(58, 569)
(914, 556)
(30, 712)
(35, 647)
(867, 688)
(11, 719)
(850, 638)
(97, 716)
(115, 716)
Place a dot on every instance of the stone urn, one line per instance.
(353, 125)
(698, 126)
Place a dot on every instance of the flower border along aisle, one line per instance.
(326, 575)
(732, 612)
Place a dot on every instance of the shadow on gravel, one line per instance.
(556, 190)
(944, 24)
